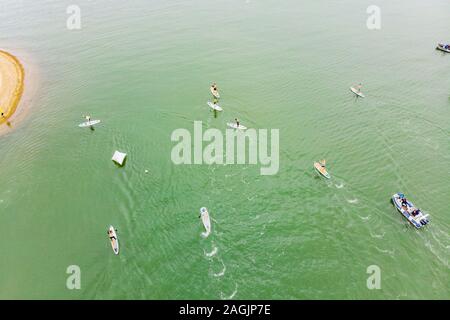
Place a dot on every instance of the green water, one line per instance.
(145, 68)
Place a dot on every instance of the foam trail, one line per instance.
(212, 253)
(389, 252)
(379, 236)
(206, 234)
(221, 273)
(339, 186)
(231, 296)
(352, 201)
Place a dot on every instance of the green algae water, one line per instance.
(145, 69)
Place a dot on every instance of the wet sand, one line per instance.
(12, 77)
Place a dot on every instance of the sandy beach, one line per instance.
(11, 85)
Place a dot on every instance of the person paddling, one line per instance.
(237, 122)
(359, 87)
(111, 235)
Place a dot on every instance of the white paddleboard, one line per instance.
(215, 93)
(214, 106)
(114, 242)
(204, 215)
(355, 91)
(234, 126)
(88, 123)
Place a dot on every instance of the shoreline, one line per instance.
(12, 83)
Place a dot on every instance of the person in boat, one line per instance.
(415, 212)
(111, 235)
(88, 118)
(215, 101)
(404, 202)
(237, 122)
(214, 87)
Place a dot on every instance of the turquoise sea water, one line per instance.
(145, 69)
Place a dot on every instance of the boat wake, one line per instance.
(212, 253)
(205, 234)
(222, 272)
(389, 252)
(378, 236)
(223, 297)
(339, 186)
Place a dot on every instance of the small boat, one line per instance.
(321, 170)
(215, 93)
(416, 217)
(357, 92)
(443, 47)
(204, 215)
(115, 240)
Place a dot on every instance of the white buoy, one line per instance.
(119, 157)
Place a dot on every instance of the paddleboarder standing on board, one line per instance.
(237, 122)
(359, 87)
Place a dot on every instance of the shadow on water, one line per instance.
(118, 165)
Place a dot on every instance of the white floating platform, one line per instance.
(119, 157)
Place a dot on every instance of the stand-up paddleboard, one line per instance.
(214, 106)
(89, 123)
(215, 93)
(235, 126)
(204, 215)
(114, 242)
(321, 170)
(358, 93)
